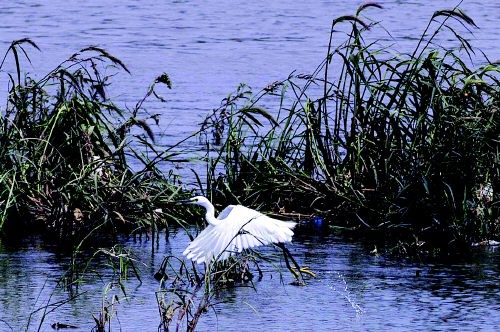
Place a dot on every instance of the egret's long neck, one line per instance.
(210, 216)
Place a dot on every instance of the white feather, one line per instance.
(235, 229)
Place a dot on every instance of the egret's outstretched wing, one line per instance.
(264, 230)
(269, 230)
(206, 246)
(240, 228)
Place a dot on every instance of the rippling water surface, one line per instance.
(353, 291)
(208, 48)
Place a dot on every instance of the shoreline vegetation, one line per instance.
(400, 150)
(373, 143)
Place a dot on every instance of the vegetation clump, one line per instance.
(66, 152)
(399, 146)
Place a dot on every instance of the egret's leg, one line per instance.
(296, 270)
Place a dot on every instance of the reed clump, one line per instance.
(401, 146)
(188, 292)
(66, 152)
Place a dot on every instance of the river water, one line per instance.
(208, 48)
(353, 291)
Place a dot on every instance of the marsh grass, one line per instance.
(66, 155)
(401, 146)
(66, 152)
(188, 292)
(109, 309)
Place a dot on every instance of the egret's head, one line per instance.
(197, 200)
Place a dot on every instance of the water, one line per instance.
(354, 291)
(208, 48)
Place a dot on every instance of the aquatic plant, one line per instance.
(187, 293)
(108, 311)
(66, 152)
(404, 146)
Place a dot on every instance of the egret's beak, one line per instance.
(183, 201)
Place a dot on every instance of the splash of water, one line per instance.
(344, 291)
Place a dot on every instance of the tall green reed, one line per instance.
(66, 152)
(402, 144)
(186, 292)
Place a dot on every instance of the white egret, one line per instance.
(236, 228)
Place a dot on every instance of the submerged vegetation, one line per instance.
(397, 147)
